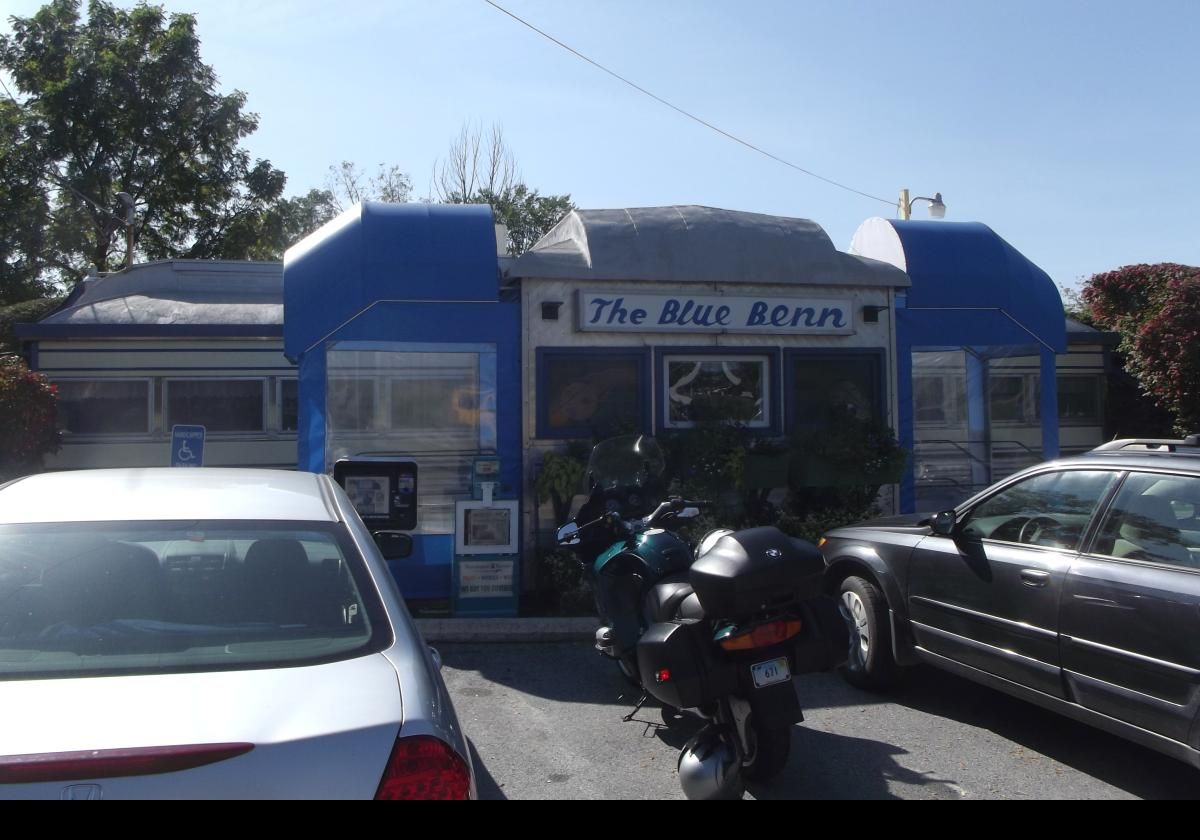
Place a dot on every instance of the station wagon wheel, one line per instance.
(869, 663)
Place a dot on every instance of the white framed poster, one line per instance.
(483, 528)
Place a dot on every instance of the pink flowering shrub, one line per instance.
(1156, 311)
(28, 418)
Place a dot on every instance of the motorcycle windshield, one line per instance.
(628, 461)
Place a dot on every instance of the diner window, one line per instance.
(220, 405)
(825, 387)
(939, 400)
(289, 405)
(1079, 399)
(350, 403)
(104, 406)
(1008, 398)
(716, 388)
(436, 402)
(591, 392)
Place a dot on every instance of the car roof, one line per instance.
(1131, 459)
(166, 493)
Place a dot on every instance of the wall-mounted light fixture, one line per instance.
(870, 313)
(550, 310)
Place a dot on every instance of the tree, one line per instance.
(26, 210)
(475, 165)
(28, 418)
(1156, 311)
(25, 312)
(122, 103)
(526, 213)
(484, 171)
(347, 186)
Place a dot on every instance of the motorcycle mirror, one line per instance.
(569, 534)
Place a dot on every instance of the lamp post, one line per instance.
(937, 207)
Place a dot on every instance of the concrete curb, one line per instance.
(499, 630)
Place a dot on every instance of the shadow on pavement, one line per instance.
(1113, 760)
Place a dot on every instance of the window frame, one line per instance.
(793, 357)
(169, 422)
(664, 355)
(544, 356)
(149, 431)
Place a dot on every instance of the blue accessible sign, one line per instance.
(187, 446)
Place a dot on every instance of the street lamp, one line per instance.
(937, 208)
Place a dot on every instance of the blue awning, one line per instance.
(995, 294)
(374, 252)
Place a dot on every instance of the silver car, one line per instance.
(210, 633)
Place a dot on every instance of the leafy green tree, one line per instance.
(346, 185)
(25, 312)
(1156, 311)
(122, 104)
(26, 210)
(526, 213)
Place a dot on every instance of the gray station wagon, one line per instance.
(1074, 584)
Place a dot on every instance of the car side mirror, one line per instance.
(393, 545)
(943, 523)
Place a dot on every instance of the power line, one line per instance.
(685, 113)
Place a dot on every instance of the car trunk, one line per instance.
(320, 731)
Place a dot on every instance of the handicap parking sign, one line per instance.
(187, 446)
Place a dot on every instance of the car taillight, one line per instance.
(764, 635)
(424, 767)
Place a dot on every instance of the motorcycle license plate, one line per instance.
(769, 673)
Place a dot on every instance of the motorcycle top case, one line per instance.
(755, 570)
(676, 664)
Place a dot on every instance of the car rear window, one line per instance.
(146, 597)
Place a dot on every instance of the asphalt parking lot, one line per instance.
(545, 722)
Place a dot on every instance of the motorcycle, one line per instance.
(721, 630)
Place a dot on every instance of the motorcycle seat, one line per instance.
(666, 599)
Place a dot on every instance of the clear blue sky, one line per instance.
(1070, 127)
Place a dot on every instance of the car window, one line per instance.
(1050, 509)
(145, 597)
(1154, 518)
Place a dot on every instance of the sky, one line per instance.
(1069, 127)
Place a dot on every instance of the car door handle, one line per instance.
(1034, 577)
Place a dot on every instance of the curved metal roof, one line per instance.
(176, 293)
(693, 244)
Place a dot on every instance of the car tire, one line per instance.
(863, 607)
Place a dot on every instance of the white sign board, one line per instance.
(612, 311)
(485, 527)
(485, 578)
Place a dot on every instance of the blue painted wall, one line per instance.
(412, 274)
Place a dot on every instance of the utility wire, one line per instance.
(685, 113)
